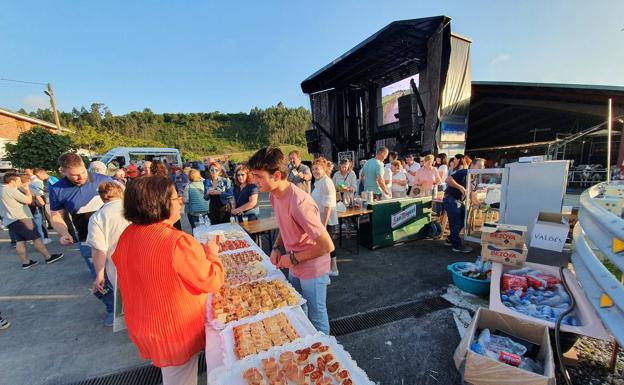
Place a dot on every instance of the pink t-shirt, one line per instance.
(427, 178)
(300, 223)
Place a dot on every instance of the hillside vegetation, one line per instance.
(194, 134)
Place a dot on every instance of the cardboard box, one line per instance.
(550, 231)
(513, 257)
(503, 236)
(481, 370)
(612, 205)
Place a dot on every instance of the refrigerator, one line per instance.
(528, 188)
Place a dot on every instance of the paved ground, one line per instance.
(57, 336)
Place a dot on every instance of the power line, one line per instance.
(22, 81)
(17, 85)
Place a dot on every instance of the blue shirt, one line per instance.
(242, 197)
(51, 181)
(458, 176)
(79, 201)
(223, 184)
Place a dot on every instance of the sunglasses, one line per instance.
(214, 169)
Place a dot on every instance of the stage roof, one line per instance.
(376, 58)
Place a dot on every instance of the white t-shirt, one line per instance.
(105, 228)
(396, 188)
(411, 168)
(324, 194)
(388, 178)
(443, 171)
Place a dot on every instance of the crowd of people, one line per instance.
(127, 226)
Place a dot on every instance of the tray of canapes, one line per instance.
(233, 305)
(246, 266)
(261, 333)
(315, 359)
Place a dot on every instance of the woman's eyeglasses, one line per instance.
(239, 175)
(214, 169)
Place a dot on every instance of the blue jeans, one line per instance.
(315, 293)
(85, 251)
(38, 219)
(455, 211)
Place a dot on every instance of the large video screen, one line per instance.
(390, 95)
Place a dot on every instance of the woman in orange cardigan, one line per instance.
(164, 275)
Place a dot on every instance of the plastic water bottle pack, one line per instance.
(504, 349)
(536, 294)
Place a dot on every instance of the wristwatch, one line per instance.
(293, 260)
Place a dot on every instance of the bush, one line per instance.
(37, 147)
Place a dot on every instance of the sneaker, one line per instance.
(333, 273)
(463, 249)
(109, 319)
(46, 241)
(54, 257)
(4, 323)
(447, 242)
(29, 264)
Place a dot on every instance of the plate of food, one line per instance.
(233, 305)
(263, 332)
(315, 359)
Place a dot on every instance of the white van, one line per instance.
(123, 155)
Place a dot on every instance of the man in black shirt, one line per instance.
(454, 197)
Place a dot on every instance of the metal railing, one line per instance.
(586, 178)
(595, 238)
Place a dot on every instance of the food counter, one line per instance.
(395, 220)
(256, 330)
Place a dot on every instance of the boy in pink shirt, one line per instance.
(306, 242)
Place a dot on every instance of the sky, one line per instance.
(230, 56)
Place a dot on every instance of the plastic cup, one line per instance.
(232, 219)
(245, 219)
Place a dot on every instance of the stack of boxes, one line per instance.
(504, 243)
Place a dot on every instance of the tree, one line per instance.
(37, 147)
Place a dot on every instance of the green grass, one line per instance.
(242, 156)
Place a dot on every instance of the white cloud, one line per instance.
(33, 102)
(501, 58)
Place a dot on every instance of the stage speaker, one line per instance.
(406, 122)
(312, 141)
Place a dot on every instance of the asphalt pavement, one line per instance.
(57, 335)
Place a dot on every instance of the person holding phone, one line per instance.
(217, 191)
(105, 228)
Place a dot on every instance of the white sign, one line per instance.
(403, 216)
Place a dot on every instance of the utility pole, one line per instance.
(609, 125)
(54, 109)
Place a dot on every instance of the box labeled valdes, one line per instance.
(513, 257)
(481, 370)
(550, 231)
(503, 235)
